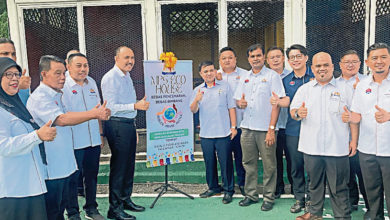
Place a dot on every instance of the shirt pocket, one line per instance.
(335, 104)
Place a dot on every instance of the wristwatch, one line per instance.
(296, 114)
(272, 127)
(235, 127)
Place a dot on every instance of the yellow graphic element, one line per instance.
(169, 60)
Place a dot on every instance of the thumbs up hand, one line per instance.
(381, 115)
(142, 104)
(46, 132)
(242, 103)
(302, 111)
(199, 96)
(24, 81)
(101, 112)
(346, 115)
(357, 80)
(274, 99)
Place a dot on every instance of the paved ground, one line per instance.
(179, 208)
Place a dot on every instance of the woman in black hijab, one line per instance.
(22, 153)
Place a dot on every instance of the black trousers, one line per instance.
(335, 171)
(56, 198)
(27, 208)
(299, 183)
(237, 153)
(121, 137)
(353, 186)
(221, 148)
(88, 162)
(281, 148)
(376, 176)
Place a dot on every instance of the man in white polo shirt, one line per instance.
(81, 94)
(229, 72)
(324, 138)
(45, 104)
(275, 61)
(258, 126)
(371, 107)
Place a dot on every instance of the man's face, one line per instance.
(256, 59)
(350, 65)
(275, 59)
(322, 68)
(227, 61)
(55, 77)
(208, 73)
(78, 68)
(8, 50)
(297, 60)
(10, 81)
(125, 59)
(379, 61)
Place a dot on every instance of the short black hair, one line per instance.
(227, 49)
(275, 48)
(73, 55)
(349, 52)
(205, 63)
(254, 47)
(6, 41)
(377, 46)
(45, 62)
(299, 47)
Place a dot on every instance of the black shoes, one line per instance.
(267, 206)
(209, 193)
(279, 193)
(297, 207)
(227, 198)
(130, 205)
(119, 215)
(246, 202)
(242, 190)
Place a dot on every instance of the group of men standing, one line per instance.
(331, 128)
(70, 99)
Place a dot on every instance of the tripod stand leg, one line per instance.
(178, 190)
(163, 190)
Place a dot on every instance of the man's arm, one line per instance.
(233, 122)
(75, 118)
(354, 138)
(270, 136)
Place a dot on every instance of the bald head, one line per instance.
(322, 67)
(124, 59)
(70, 53)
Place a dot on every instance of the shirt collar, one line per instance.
(332, 82)
(307, 73)
(215, 83)
(260, 73)
(50, 91)
(371, 76)
(73, 83)
(120, 72)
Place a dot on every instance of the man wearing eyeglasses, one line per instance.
(349, 66)
(301, 74)
(275, 61)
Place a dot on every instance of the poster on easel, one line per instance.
(169, 121)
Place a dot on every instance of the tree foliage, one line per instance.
(4, 25)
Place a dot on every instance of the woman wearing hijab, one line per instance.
(22, 153)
